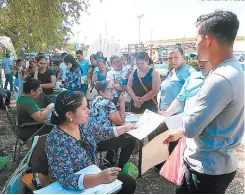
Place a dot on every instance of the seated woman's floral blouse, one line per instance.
(66, 155)
(100, 109)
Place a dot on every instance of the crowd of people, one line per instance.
(212, 100)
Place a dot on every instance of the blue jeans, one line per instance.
(9, 79)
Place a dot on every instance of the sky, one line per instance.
(163, 19)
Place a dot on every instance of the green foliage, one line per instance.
(194, 63)
(39, 25)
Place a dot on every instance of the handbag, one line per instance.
(91, 93)
(15, 185)
(145, 88)
(173, 170)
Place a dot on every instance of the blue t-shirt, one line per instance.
(84, 64)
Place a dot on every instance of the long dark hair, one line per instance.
(65, 102)
(70, 59)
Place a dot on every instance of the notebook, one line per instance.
(56, 187)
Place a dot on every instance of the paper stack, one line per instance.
(57, 188)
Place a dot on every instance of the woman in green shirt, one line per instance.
(29, 111)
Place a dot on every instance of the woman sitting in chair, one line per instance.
(29, 112)
(104, 113)
(72, 144)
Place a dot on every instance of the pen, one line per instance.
(114, 173)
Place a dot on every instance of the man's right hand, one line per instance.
(173, 136)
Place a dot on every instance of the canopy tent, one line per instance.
(108, 46)
(5, 42)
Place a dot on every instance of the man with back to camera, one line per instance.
(214, 126)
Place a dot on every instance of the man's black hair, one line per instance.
(79, 52)
(223, 25)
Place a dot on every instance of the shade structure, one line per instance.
(5, 42)
(107, 45)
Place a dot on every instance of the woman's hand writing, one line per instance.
(109, 175)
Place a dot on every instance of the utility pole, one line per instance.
(106, 30)
(151, 33)
(139, 17)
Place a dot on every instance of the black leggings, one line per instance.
(126, 144)
(129, 184)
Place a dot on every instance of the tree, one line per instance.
(39, 25)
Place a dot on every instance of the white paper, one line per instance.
(154, 152)
(148, 122)
(174, 122)
(56, 187)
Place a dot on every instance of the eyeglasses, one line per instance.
(109, 89)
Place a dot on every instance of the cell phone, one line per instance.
(36, 181)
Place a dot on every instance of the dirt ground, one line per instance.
(150, 183)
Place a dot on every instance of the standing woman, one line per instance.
(115, 77)
(48, 81)
(93, 66)
(101, 74)
(177, 75)
(45, 75)
(73, 74)
(143, 85)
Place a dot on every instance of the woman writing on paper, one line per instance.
(71, 146)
